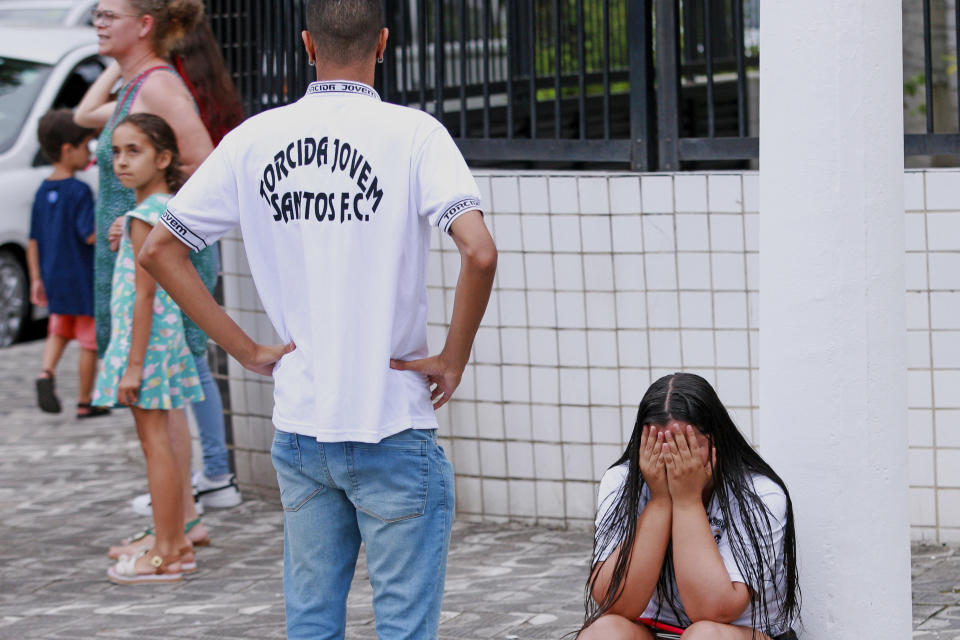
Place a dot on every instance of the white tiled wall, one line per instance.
(607, 281)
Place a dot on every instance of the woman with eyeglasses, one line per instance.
(167, 63)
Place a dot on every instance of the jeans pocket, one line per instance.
(390, 478)
(296, 488)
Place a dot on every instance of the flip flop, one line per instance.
(125, 571)
(91, 411)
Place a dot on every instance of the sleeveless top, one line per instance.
(114, 200)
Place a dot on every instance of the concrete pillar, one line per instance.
(832, 329)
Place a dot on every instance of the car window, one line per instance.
(20, 82)
(34, 16)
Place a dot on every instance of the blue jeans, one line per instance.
(396, 496)
(209, 416)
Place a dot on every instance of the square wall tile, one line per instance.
(516, 384)
(946, 349)
(918, 313)
(564, 196)
(693, 232)
(631, 310)
(486, 194)
(944, 274)
(730, 309)
(733, 387)
(658, 234)
(517, 421)
(919, 389)
(469, 495)
(569, 271)
(944, 310)
(520, 460)
(574, 386)
(946, 388)
(536, 233)
(598, 272)
(627, 234)
(493, 458)
(633, 384)
(595, 233)
(489, 387)
(949, 507)
(573, 348)
(543, 347)
(550, 500)
(577, 462)
(725, 193)
(923, 507)
(565, 231)
(506, 196)
(697, 348)
(948, 468)
(662, 309)
(920, 427)
(696, 309)
(733, 348)
(913, 190)
(751, 192)
(726, 232)
(693, 271)
(628, 271)
(632, 348)
(506, 232)
(539, 270)
(523, 498)
(513, 308)
(751, 231)
(604, 387)
(580, 500)
(495, 500)
(602, 348)
(690, 191)
(466, 457)
(571, 311)
(947, 427)
(661, 271)
(625, 194)
(542, 309)
(657, 194)
(548, 461)
(729, 271)
(510, 270)
(665, 349)
(594, 197)
(545, 385)
(943, 190)
(575, 424)
(534, 197)
(490, 421)
(916, 228)
(606, 424)
(920, 467)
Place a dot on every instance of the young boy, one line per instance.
(336, 196)
(60, 258)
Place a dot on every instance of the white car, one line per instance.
(41, 68)
(69, 13)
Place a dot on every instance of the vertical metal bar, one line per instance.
(463, 68)
(557, 66)
(532, 68)
(439, 62)
(606, 69)
(928, 64)
(708, 53)
(642, 95)
(738, 42)
(486, 68)
(582, 69)
(668, 81)
(422, 50)
(511, 39)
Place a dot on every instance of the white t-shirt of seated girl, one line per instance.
(336, 196)
(776, 503)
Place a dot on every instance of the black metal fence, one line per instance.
(646, 84)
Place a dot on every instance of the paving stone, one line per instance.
(65, 486)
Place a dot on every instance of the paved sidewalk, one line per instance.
(64, 490)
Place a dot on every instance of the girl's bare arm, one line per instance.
(142, 319)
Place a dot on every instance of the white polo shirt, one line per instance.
(335, 196)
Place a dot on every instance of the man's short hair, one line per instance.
(56, 128)
(344, 31)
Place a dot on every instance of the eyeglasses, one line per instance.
(106, 18)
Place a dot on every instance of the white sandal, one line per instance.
(125, 571)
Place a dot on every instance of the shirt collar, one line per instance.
(342, 86)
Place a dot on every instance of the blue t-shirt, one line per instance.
(61, 222)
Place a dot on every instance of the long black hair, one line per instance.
(689, 398)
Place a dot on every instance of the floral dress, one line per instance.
(169, 372)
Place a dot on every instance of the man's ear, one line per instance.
(382, 42)
(309, 46)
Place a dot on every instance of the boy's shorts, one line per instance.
(79, 328)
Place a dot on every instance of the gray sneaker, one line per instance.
(219, 494)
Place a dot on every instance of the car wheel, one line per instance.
(14, 298)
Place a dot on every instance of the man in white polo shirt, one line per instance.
(336, 196)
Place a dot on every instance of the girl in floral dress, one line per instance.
(147, 365)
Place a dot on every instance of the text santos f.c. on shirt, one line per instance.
(335, 196)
